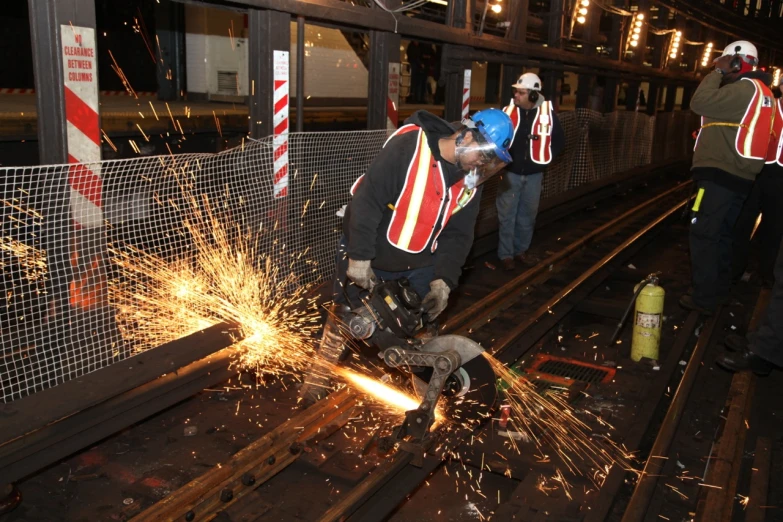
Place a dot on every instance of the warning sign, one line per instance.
(79, 60)
(80, 80)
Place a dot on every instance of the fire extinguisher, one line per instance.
(648, 319)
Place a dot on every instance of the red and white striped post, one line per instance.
(466, 94)
(280, 123)
(80, 82)
(393, 97)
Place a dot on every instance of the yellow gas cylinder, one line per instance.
(648, 319)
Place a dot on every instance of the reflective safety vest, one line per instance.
(424, 200)
(540, 132)
(753, 132)
(775, 150)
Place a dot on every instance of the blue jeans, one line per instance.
(517, 203)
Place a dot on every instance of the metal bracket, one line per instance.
(417, 422)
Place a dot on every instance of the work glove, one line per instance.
(360, 272)
(436, 299)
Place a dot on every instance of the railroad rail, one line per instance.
(380, 493)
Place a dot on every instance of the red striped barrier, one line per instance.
(280, 119)
(466, 94)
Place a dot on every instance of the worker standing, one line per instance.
(764, 199)
(737, 107)
(412, 216)
(538, 139)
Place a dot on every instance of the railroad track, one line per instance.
(394, 478)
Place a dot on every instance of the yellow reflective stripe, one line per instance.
(417, 196)
(697, 203)
(542, 140)
(747, 146)
(723, 124)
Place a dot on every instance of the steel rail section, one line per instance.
(397, 464)
(212, 492)
(44, 428)
(645, 487)
(375, 503)
(600, 509)
(489, 306)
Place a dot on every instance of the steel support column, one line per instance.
(300, 78)
(46, 19)
(509, 76)
(268, 31)
(384, 47)
(616, 53)
(457, 14)
(517, 20)
(170, 32)
(554, 39)
(671, 97)
(453, 106)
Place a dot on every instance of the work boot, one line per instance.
(525, 259)
(317, 382)
(508, 264)
(745, 361)
(735, 343)
(688, 303)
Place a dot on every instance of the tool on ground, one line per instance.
(392, 319)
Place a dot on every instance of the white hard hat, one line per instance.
(744, 48)
(528, 81)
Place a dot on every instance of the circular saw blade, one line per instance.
(476, 400)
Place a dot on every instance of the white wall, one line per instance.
(332, 68)
(207, 55)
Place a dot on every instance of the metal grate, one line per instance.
(559, 369)
(575, 371)
(228, 82)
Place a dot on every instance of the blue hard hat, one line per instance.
(496, 127)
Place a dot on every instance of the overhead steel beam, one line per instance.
(719, 18)
(462, 55)
(268, 31)
(344, 13)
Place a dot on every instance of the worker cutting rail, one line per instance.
(406, 235)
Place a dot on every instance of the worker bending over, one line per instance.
(412, 216)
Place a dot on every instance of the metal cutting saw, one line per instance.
(392, 319)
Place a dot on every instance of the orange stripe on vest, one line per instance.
(541, 148)
(421, 202)
(775, 149)
(755, 129)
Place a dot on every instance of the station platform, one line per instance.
(125, 115)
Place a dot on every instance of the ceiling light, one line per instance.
(582, 11)
(496, 8)
(634, 43)
(581, 19)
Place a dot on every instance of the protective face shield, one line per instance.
(482, 146)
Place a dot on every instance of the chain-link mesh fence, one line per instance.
(77, 298)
